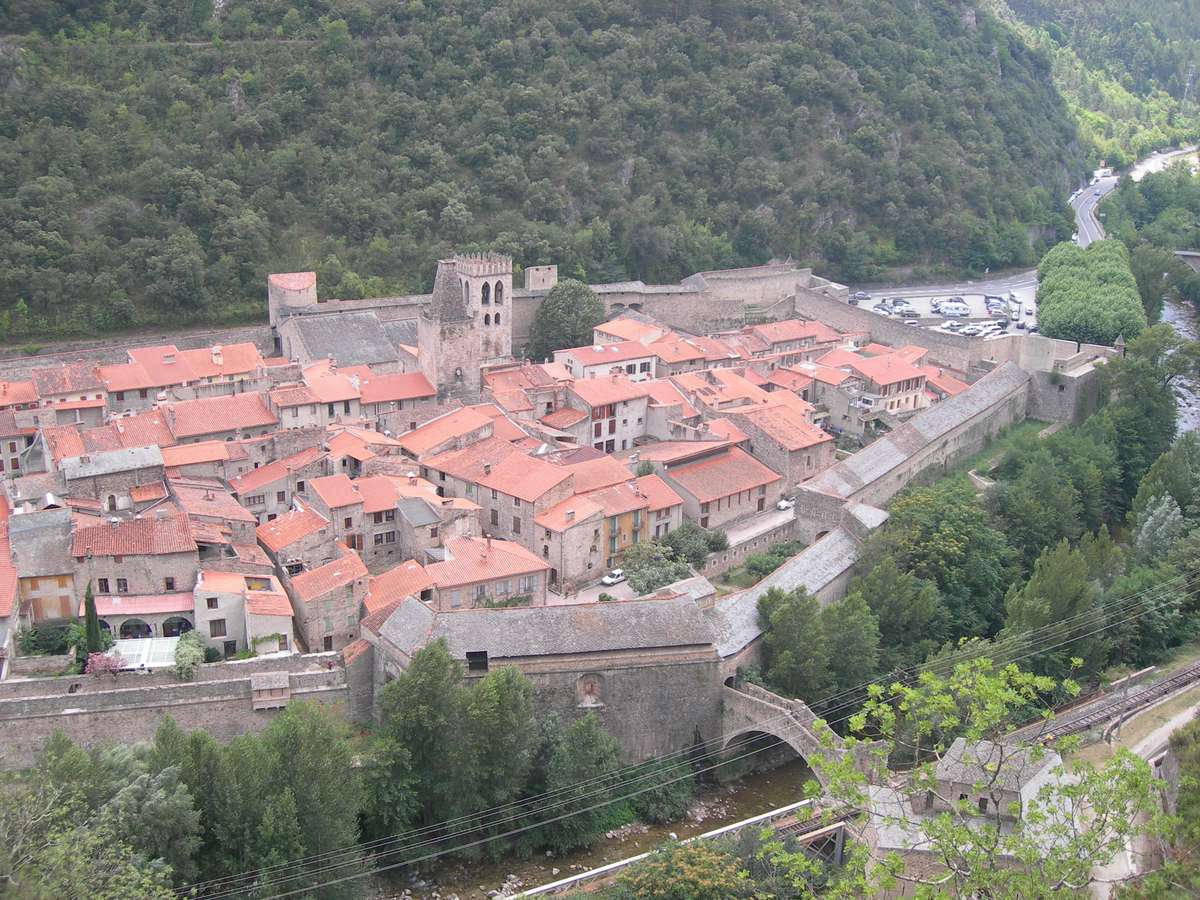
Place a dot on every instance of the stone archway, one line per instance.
(135, 628)
(176, 626)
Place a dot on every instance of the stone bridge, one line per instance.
(748, 709)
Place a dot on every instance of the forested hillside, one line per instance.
(1123, 68)
(156, 163)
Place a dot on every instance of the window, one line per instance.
(168, 583)
(983, 805)
(295, 412)
(348, 522)
(516, 525)
(455, 599)
(142, 393)
(16, 463)
(120, 395)
(644, 367)
(256, 499)
(389, 515)
(346, 406)
(516, 502)
(495, 517)
(102, 585)
(211, 602)
(327, 643)
(495, 494)
(332, 409)
(378, 539)
(598, 429)
(230, 648)
(612, 426)
(378, 517)
(477, 661)
(216, 628)
(283, 642)
(299, 487)
(704, 521)
(433, 531)
(122, 586)
(281, 496)
(389, 537)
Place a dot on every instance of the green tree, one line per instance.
(1159, 530)
(910, 615)
(154, 814)
(420, 711)
(650, 565)
(941, 534)
(974, 855)
(698, 871)
(1039, 508)
(644, 468)
(1089, 295)
(575, 757)
(92, 640)
(1058, 593)
(499, 735)
(564, 319)
(690, 542)
(852, 636)
(796, 650)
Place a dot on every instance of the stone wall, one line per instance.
(736, 554)
(130, 708)
(651, 706)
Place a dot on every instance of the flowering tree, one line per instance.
(104, 664)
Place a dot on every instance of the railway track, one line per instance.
(1120, 706)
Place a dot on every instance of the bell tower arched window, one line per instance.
(499, 293)
(487, 293)
(487, 320)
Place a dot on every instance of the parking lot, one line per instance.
(1019, 307)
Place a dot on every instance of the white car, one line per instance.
(784, 503)
(971, 331)
(616, 576)
(951, 309)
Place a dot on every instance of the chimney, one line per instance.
(113, 521)
(85, 459)
(217, 356)
(488, 538)
(570, 515)
(168, 359)
(487, 468)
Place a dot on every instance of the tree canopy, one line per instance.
(564, 319)
(1089, 295)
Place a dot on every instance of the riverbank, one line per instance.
(711, 808)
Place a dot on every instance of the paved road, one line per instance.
(1087, 225)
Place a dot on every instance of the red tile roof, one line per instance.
(316, 583)
(405, 386)
(123, 377)
(354, 650)
(290, 527)
(677, 350)
(331, 387)
(599, 354)
(474, 561)
(190, 454)
(149, 536)
(564, 418)
(468, 463)
(144, 429)
(664, 393)
(163, 365)
(593, 474)
(524, 477)
(67, 378)
(273, 471)
(405, 580)
(631, 330)
(502, 426)
(723, 428)
(293, 281)
(946, 383)
(445, 428)
(786, 426)
(223, 359)
(215, 415)
(721, 475)
(13, 392)
(336, 491)
(293, 395)
(268, 603)
(603, 391)
(658, 493)
(567, 513)
(210, 502)
(143, 493)
(142, 604)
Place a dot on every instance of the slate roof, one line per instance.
(734, 617)
(110, 462)
(41, 542)
(401, 332)
(552, 630)
(1012, 767)
(349, 338)
(886, 453)
(417, 512)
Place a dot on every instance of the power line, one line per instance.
(1123, 605)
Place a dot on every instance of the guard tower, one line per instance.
(487, 290)
(448, 346)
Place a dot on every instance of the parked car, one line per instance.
(1032, 329)
(1028, 311)
(785, 503)
(953, 309)
(852, 301)
(971, 331)
(1021, 325)
(1095, 193)
(912, 323)
(616, 576)
(952, 326)
(861, 295)
(881, 309)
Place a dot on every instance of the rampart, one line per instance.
(128, 708)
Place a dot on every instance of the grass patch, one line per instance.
(998, 446)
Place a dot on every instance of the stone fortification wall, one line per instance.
(130, 708)
(934, 439)
(650, 709)
(951, 350)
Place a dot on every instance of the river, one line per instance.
(1179, 315)
(713, 807)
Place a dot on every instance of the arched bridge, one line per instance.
(750, 709)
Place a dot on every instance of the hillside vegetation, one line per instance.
(1122, 68)
(156, 163)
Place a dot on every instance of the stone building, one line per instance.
(723, 485)
(267, 492)
(326, 600)
(236, 611)
(473, 572)
(40, 547)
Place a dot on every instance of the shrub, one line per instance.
(45, 639)
(604, 598)
(190, 652)
(104, 664)
(212, 654)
